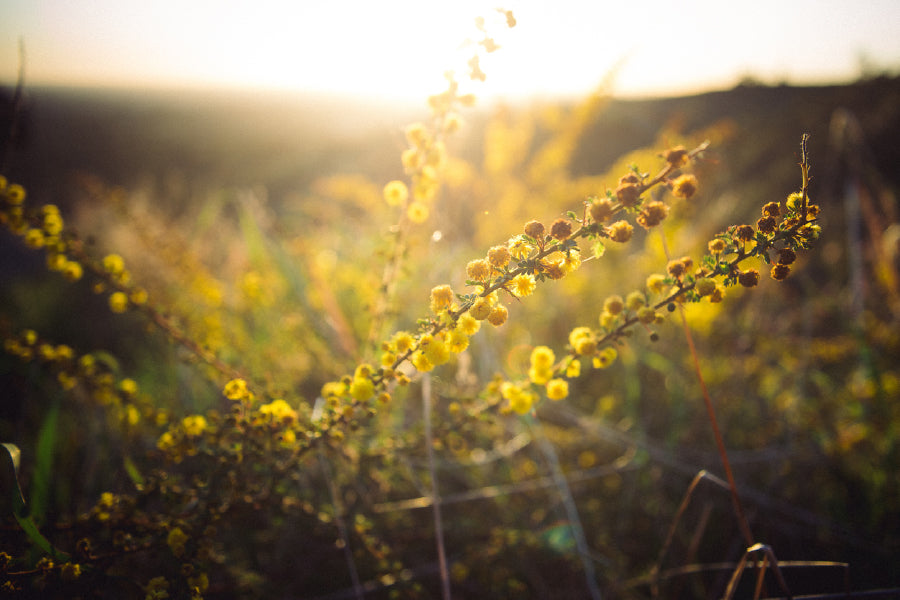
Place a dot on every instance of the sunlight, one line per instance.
(396, 49)
(400, 48)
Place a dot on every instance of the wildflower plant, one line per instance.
(210, 482)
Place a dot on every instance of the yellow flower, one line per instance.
(519, 400)
(129, 387)
(118, 302)
(614, 305)
(411, 159)
(716, 246)
(138, 296)
(605, 357)
(540, 374)
(441, 298)
(519, 247)
(194, 425)
(656, 283)
(113, 264)
(421, 362)
(578, 334)
(499, 256)
(72, 271)
(542, 357)
(478, 270)
(165, 441)
(417, 212)
(362, 388)
(56, 261)
(647, 315)
(176, 541)
(278, 410)
(481, 309)
(434, 349)
(396, 193)
(522, 285)
(469, 324)
(132, 415)
(498, 315)
(458, 341)
(156, 589)
(15, 193)
(53, 223)
(570, 261)
(417, 134)
(705, 286)
(602, 209)
(557, 389)
(70, 571)
(685, 186)
(403, 341)
(236, 389)
(635, 300)
(620, 231)
(573, 369)
(34, 238)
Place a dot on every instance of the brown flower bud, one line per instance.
(749, 278)
(561, 229)
(766, 225)
(744, 233)
(534, 229)
(786, 256)
(601, 209)
(780, 271)
(652, 214)
(772, 209)
(620, 231)
(628, 194)
(676, 156)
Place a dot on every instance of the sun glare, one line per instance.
(400, 48)
(391, 49)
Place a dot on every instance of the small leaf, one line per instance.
(598, 249)
(12, 501)
(15, 502)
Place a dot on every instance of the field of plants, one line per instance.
(311, 347)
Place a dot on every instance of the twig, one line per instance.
(342, 527)
(743, 524)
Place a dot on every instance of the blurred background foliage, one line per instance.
(259, 222)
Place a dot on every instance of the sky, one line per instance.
(400, 48)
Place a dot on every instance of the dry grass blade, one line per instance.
(768, 555)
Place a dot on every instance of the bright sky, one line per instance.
(400, 48)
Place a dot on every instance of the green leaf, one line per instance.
(14, 501)
(598, 249)
(43, 467)
(133, 473)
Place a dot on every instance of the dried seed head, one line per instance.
(628, 194)
(534, 229)
(561, 229)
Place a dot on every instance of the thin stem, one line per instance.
(342, 527)
(435, 494)
(711, 413)
(562, 484)
(743, 524)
